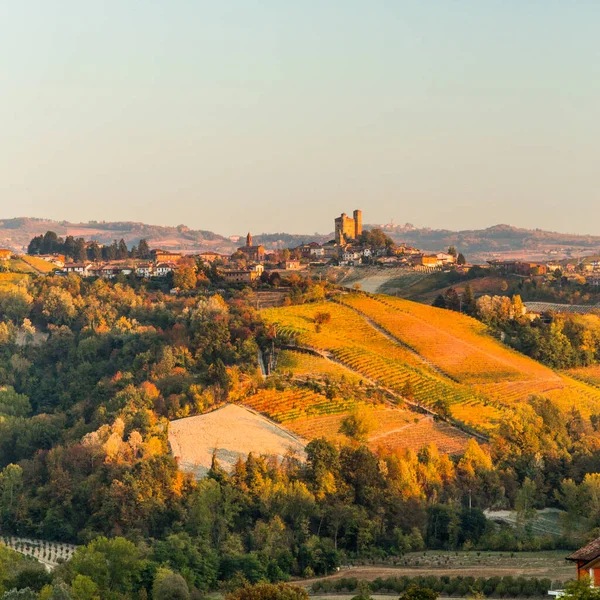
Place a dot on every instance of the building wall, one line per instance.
(357, 223)
(348, 228)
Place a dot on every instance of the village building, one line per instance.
(445, 259)
(211, 257)
(292, 265)
(407, 250)
(594, 281)
(427, 260)
(311, 250)
(163, 269)
(5, 254)
(144, 270)
(517, 267)
(242, 275)
(252, 253)
(587, 562)
(84, 269)
(165, 256)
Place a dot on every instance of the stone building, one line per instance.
(348, 228)
(252, 253)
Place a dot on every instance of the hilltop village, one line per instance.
(252, 263)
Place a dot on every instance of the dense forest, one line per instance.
(91, 371)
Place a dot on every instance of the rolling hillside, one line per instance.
(431, 355)
(313, 414)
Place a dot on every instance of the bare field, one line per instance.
(228, 432)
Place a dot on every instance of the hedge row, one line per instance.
(497, 587)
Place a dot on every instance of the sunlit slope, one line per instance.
(458, 345)
(311, 414)
(462, 348)
(444, 355)
(349, 338)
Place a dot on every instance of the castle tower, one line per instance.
(249, 240)
(357, 223)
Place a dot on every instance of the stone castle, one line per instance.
(348, 228)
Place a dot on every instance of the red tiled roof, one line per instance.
(587, 553)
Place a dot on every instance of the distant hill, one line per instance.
(478, 245)
(498, 241)
(17, 233)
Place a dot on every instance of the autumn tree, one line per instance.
(358, 424)
(184, 277)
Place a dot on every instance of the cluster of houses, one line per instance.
(585, 272)
(162, 262)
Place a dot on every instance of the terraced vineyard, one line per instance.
(296, 403)
(395, 429)
(589, 375)
(456, 344)
(38, 265)
(437, 354)
(425, 431)
(350, 339)
(300, 364)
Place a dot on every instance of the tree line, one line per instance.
(78, 249)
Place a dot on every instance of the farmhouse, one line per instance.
(526, 269)
(292, 265)
(83, 268)
(445, 259)
(587, 561)
(5, 254)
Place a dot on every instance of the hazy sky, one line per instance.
(277, 115)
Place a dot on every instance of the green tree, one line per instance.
(469, 306)
(84, 588)
(112, 564)
(58, 306)
(269, 591)
(169, 586)
(143, 249)
(15, 303)
(581, 590)
(440, 301)
(415, 592)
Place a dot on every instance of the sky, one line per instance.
(278, 115)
